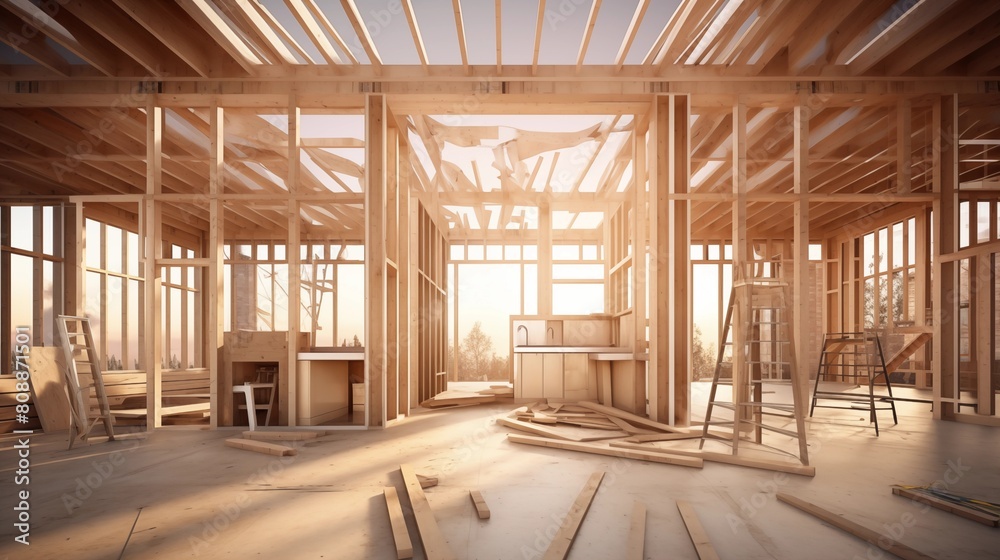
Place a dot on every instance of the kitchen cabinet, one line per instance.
(529, 376)
(570, 376)
(579, 377)
(552, 376)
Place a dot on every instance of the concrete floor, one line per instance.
(199, 498)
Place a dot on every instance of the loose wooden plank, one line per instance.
(839, 521)
(457, 398)
(722, 458)
(404, 547)
(427, 481)
(649, 438)
(481, 508)
(637, 533)
(568, 434)
(279, 436)
(702, 544)
(435, 545)
(631, 418)
(260, 447)
(957, 509)
(559, 547)
(199, 408)
(626, 427)
(598, 449)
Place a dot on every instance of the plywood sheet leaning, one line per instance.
(599, 449)
(404, 547)
(482, 510)
(839, 521)
(637, 533)
(702, 544)
(48, 389)
(435, 545)
(260, 447)
(559, 547)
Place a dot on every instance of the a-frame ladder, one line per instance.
(758, 304)
(83, 372)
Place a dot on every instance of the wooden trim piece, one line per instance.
(647, 438)
(699, 537)
(839, 521)
(563, 540)
(260, 447)
(482, 510)
(554, 433)
(435, 545)
(609, 451)
(957, 509)
(722, 458)
(400, 535)
(634, 549)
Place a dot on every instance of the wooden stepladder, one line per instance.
(83, 373)
(764, 350)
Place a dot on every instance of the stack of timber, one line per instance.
(457, 398)
(602, 430)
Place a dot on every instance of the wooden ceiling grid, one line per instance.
(854, 138)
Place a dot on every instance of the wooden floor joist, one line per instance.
(400, 535)
(279, 436)
(599, 449)
(435, 545)
(839, 521)
(790, 468)
(260, 447)
(699, 537)
(559, 547)
(482, 510)
(637, 533)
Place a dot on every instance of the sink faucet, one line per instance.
(551, 332)
(519, 327)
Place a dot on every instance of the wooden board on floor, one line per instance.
(482, 510)
(839, 521)
(435, 545)
(637, 533)
(647, 438)
(721, 458)
(404, 547)
(268, 435)
(944, 505)
(631, 418)
(559, 547)
(203, 409)
(260, 447)
(599, 449)
(457, 398)
(427, 481)
(699, 537)
(567, 433)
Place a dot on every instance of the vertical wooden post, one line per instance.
(679, 264)
(740, 261)
(658, 163)
(802, 307)
(945, 302)
(58, 281)
(287, 390)
(38, 285)
(904, 146)
(392, 274)
(6, 328)
(153, 273)
(984, 302)
(214, 287)
(640, 277)
(405, 339)
(375, 166)
(544, 259)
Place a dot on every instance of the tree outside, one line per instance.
(702, 357)
(477, 360)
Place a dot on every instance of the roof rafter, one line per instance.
(220, 31)
(311, 26)
(167, 25)
(418, 40)
(463, 48)
(280, 30)
(91, 47)
(905, 27)
(499, 38)
(265, 32)
(588, 31)
(538, 36)
(33, 47)
(359, 27)
(633, 28)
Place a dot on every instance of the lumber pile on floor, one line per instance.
(258, 441)
(603, 430)
(457, 398)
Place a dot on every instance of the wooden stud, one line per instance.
(482, 510)
(958, 509)
(599, 449)
(699, 537)
(153, 250)
(801, 305)
(637, 533)
(435, 545)
(375, 267)
(839, 521)
(791, 468)
(945, 303)
(563, 540)
(400, 534)
(287, 384)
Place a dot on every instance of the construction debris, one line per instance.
(435, 545)
(699, 537)
(481, 508)
(457, 398)
(427, 481)
(260, 447)
(279, 436)
(981, 511)
(400, 535)
(559, 547)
